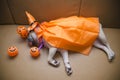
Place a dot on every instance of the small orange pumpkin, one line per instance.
(22, 31)
(34, 51)
(12, 51)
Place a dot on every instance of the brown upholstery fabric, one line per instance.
(107, 10)
(13, 11)
(5, 14)
(24, 67)
(43, 10)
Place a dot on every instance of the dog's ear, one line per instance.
(31, 19)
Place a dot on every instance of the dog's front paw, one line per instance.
(54, 63)
(110, 58)
(68, 70)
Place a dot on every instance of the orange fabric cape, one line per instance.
(72, 33)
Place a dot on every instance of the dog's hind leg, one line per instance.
(52, 52)
(102, 43)
(64, 54)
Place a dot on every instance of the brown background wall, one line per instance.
(12, 11)
(5, 15)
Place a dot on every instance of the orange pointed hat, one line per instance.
(33, 23)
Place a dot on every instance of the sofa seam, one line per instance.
(11, 12)
(80, 5)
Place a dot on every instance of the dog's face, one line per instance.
(32, 39)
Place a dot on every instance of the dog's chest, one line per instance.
(46, 44)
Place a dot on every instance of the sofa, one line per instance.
(23, 67)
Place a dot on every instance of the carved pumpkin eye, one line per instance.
(19, 31)
(12, 51)
(34, 51)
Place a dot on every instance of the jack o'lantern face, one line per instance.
(12, 51)
(22, 31)
(34, 51)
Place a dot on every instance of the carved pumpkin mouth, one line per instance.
(13, 50)
(34, 49)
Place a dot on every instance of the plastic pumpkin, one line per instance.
(22, 31)
(34, 51)
(12, 51)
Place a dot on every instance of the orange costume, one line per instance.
(72, 33)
